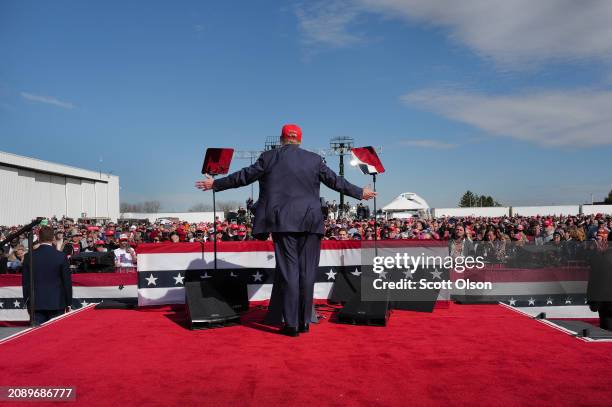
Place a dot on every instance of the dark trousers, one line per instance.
(297, 260)
(605, 315)
(41, 316)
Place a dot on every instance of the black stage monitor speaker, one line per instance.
(418, 306)
(346, 285)
(358, 312)
(234, 290)
(207, 307)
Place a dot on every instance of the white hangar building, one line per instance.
(30, 188)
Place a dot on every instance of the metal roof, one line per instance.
(18, 161)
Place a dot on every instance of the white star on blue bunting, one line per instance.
(178, 279)
(258, 276)
(436, 274)
(151, 280)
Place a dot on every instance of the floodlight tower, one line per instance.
(341, 146)
(271, 143)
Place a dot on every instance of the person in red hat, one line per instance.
(100, 246)
(289, 208)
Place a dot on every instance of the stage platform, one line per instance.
(462, 355)
(9, 331)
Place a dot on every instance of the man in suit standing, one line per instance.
(289, 208)
(599, 287)
(52, 279)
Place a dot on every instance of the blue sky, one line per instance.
(510, 99)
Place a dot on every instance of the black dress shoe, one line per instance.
(289, 331)
(304, 328)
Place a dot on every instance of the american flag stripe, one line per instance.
(81, 279)
(128, 291)
(540, 288)
(498, 274)
(232, 260)
(256, 292)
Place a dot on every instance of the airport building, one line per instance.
(31, 188)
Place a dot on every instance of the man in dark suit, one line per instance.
(52, 280)
(289, 207)
(599, 287)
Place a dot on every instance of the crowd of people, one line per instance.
(490, 236)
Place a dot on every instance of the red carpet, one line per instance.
(463, 355)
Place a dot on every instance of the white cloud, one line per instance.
(428, 143)
(511, 32)
(327, 22)
(549, 118)
(49, 100)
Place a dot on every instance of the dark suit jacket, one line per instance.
(289, 180)
(52, 279)
(599, 287)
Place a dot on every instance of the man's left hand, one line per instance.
(368, 193)
(206, 184)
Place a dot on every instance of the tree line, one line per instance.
(155, 206)
(470, 199)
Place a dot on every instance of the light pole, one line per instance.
(341, 146)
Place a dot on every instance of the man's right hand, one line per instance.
(205, 184)
(368, 193)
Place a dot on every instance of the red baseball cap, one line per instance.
(291, 132)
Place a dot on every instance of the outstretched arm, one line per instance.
(339, 184)
(240, 178)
